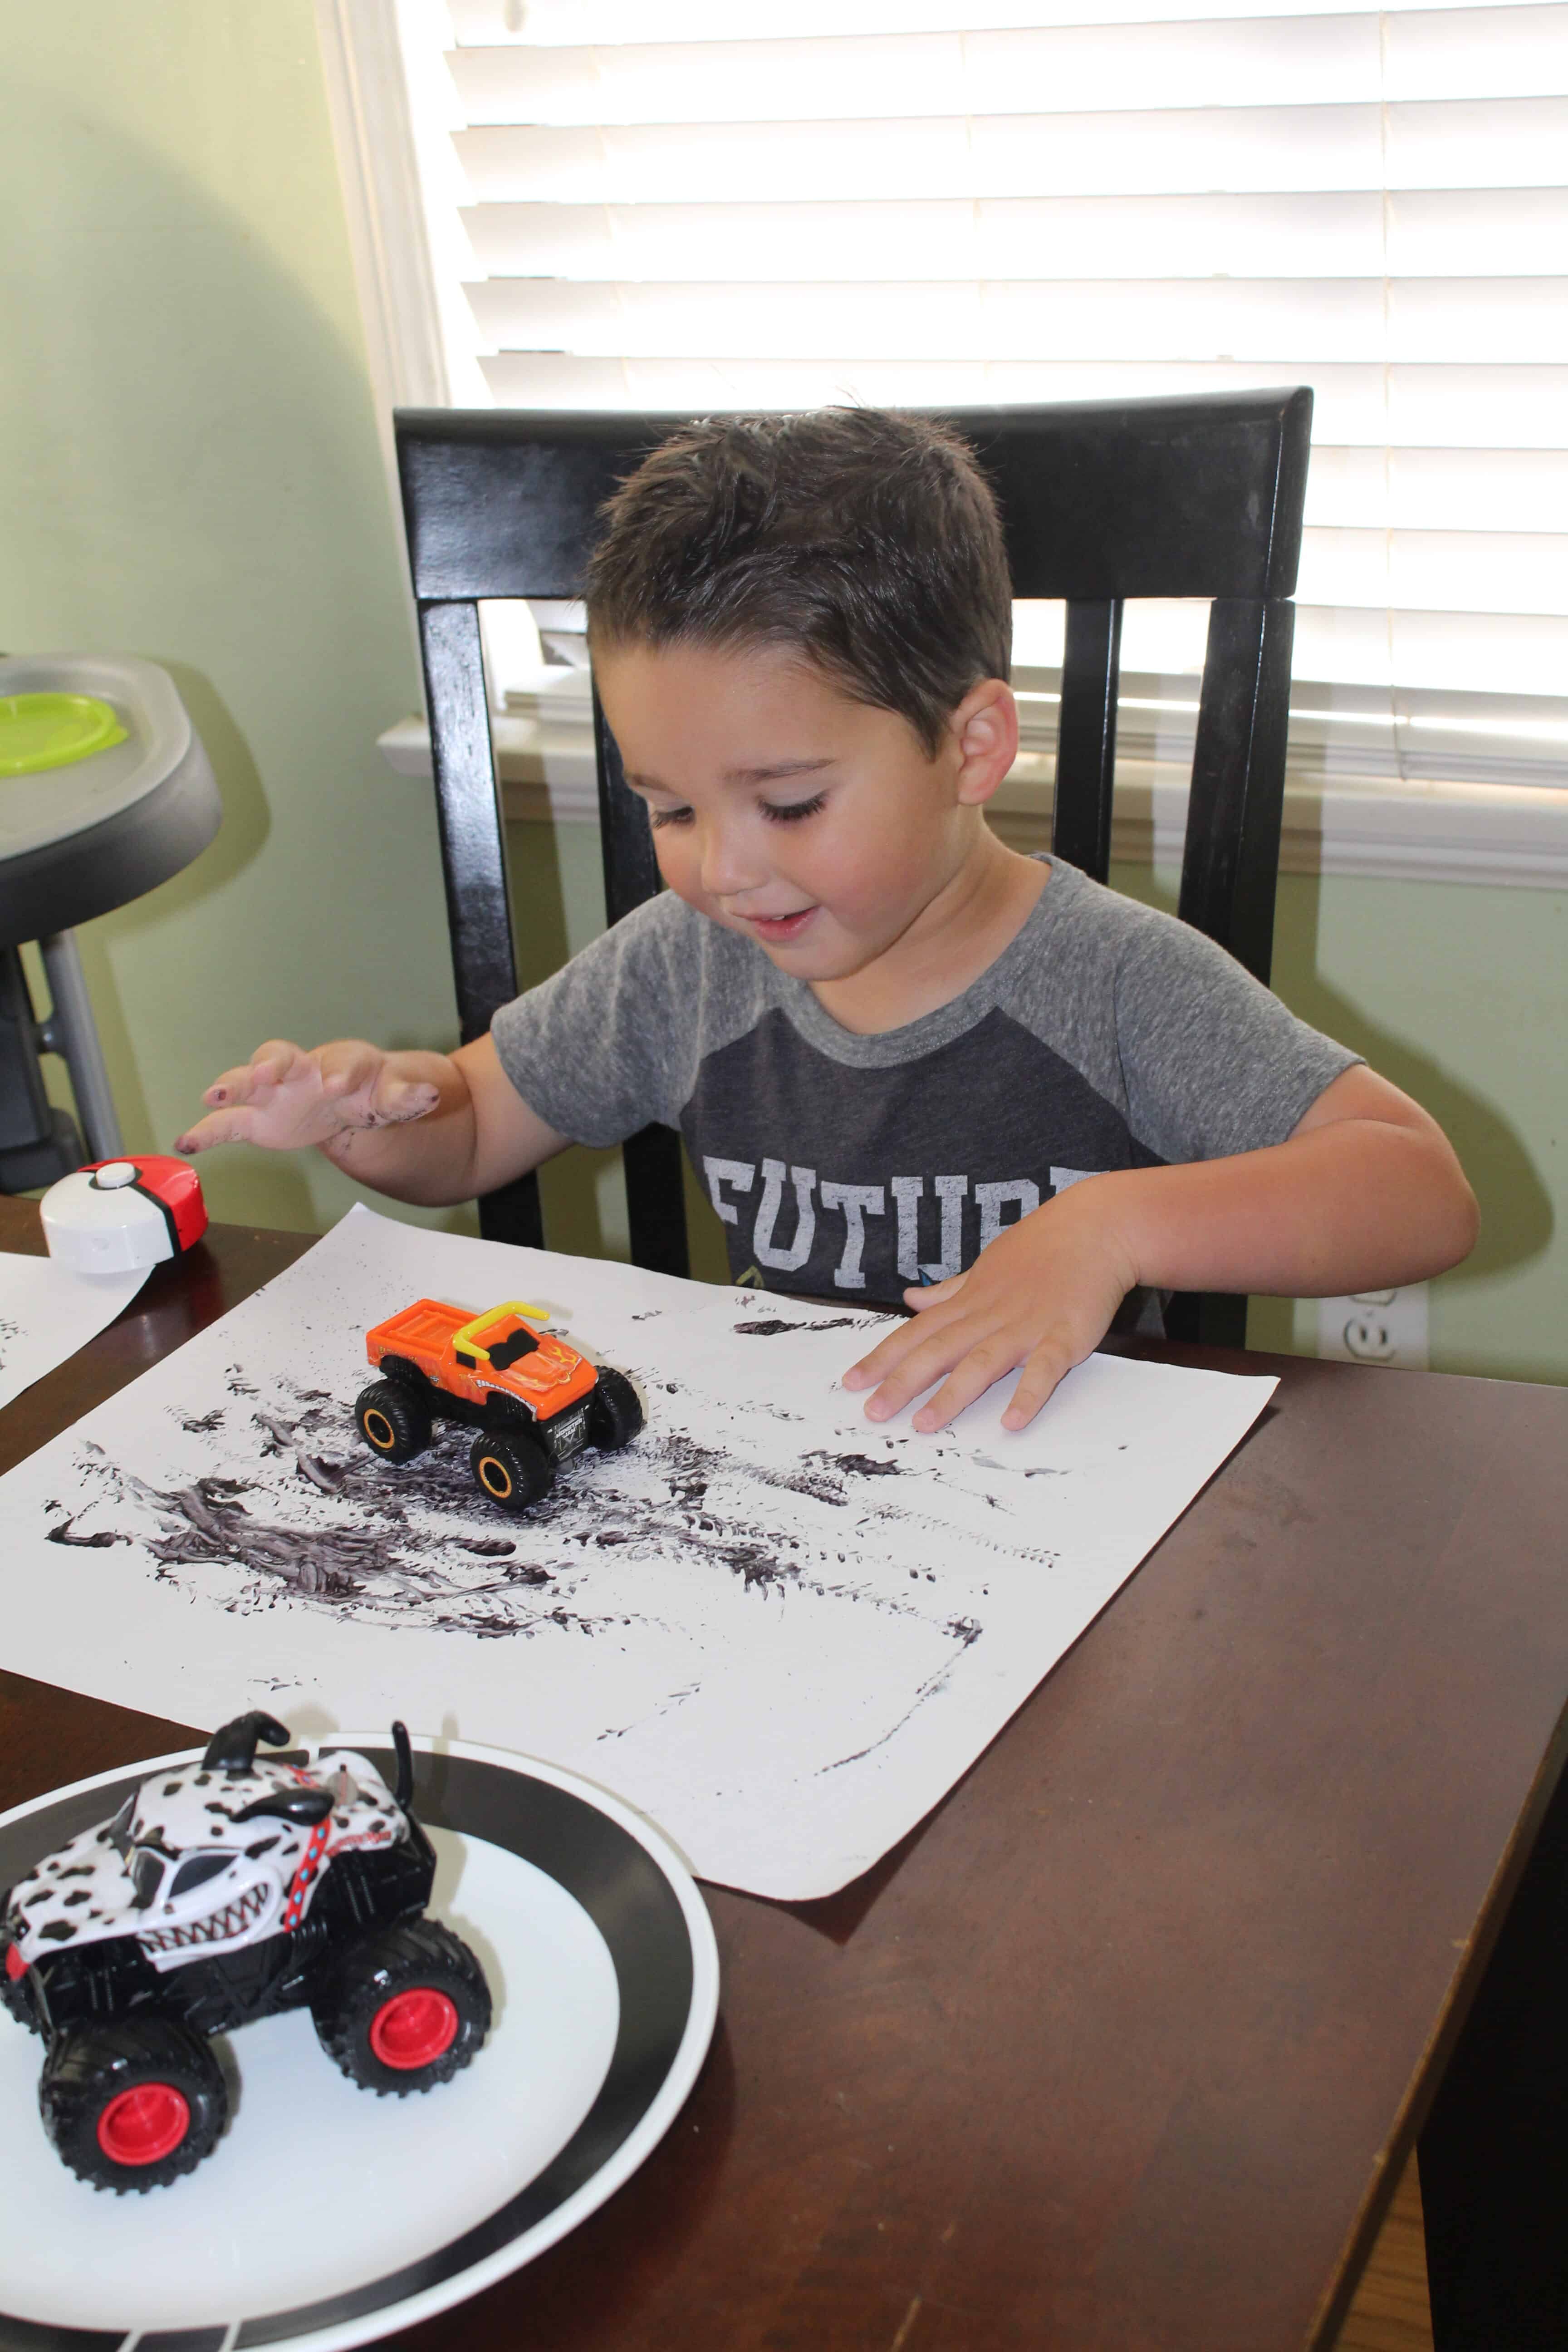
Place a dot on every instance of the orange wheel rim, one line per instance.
(494, 1479)
(379, 1430)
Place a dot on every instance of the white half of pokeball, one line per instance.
(96, 1221)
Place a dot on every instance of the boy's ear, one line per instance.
(984, 733)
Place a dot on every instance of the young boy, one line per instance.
(908, 1062)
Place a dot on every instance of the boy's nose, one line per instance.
(727, 869)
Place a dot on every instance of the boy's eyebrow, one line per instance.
(771, 775)
(775, 771)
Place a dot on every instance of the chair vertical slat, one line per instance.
(473, 862)
(1231, 860)
(1085, 735)
(656, 1207)
(1209, 1318)
(626, 837)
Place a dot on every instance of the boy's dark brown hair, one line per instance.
(868, 539)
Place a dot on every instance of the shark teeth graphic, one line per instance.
(218, 1928)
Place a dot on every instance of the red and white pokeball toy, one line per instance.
(116, 1216)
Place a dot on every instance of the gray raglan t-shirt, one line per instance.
(1104, 1035)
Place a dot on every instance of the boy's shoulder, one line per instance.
(1090, 914)
(1086, 942)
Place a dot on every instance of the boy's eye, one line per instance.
(658, 817)
(791, 812)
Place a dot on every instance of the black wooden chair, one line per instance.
(1103, 500)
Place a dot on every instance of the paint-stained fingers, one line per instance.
(396, 1100)
(935, 1353)
(890, 1353)
(243, 1084)
(267, 1100)
(232, 1126)
(274, 1064)
(366, 1086)
(987, 1361)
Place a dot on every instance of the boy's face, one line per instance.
(780, 807)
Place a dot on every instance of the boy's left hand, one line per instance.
(1043, 1294)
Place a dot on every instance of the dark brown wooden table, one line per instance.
(1124, 2046)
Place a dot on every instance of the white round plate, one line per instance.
(327, 2216)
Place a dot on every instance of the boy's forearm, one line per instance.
(1345, 1206)
(1366, 1193)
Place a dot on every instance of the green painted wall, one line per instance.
(190, 473)
(1456, 992)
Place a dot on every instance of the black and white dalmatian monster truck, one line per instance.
(220, 1892)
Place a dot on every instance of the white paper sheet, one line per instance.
(780, 1629)
(47, 1313)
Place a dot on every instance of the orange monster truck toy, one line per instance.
(534, 1401)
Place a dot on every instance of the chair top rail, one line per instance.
(1193, 496)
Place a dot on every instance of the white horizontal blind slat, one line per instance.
(1332, 60)
(1437, 489)
(1360, 234)
(1198, 150)
(1524, 320)
(912, 203)
(1434, 570)
(576, 24)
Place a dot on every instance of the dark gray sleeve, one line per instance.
(1212, 1062)
(609, 1043)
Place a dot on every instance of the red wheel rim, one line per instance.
(143, 2126)
(414, 2029)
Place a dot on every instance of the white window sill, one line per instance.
(1355, 803)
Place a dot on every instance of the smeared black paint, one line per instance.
(768, 1327)
(391, 1553)
(321, 1523)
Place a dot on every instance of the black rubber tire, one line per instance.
(614, 1412)
(418, 1955)
(393, 1423)
(513, 1472)
(90, 2067)
(407, 1375)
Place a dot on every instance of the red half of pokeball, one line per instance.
(172, 1183)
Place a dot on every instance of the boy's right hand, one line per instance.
(286, 1099)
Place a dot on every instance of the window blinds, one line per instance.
(711, 204)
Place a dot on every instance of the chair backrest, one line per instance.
(1102, 500)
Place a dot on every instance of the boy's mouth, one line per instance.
(777, 930)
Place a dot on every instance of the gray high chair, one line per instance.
(105, 792)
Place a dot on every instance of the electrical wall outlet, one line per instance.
(1376, 1326)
